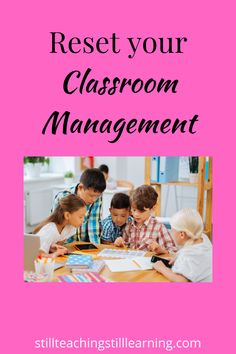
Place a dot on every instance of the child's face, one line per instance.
(89, 195)
(141, 216)
(179, 237)
(119, 216)
(76, 218)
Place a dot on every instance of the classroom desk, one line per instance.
(134, 276)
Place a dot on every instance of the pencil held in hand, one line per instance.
(119, 242)
(153, 246)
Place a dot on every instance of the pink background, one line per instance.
(33, 90)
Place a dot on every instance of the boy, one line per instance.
(92, 184)
(114, 224)
(145, 232)
(110, 182)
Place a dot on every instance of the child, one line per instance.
(193, 261)
(145, 232)
(113, 225)
(60, 225)
(92, 184)
(110, 182)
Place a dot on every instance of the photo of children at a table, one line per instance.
(126, 242)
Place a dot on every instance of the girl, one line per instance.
(61, 225)
(193, 261)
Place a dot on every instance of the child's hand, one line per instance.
(61, 251)
(160, 267)
(172, 259)
(61, 243)
(153, 246)
(59, 247)
(119, 242)
(53, 247)
(56, 247)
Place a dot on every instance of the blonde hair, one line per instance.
(188, 221)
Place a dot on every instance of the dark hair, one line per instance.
(104, 168)
(120, 201)
(93, 178)
(70, 203)
(143, 197)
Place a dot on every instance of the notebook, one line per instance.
(87, 277)
(79, 261)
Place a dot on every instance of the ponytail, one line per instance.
(190, 222)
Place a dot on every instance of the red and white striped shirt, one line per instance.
(151, 230)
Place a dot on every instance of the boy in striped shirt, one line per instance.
(145, 232)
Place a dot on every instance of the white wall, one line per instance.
(110, 161)
(135, 170)
(130, 168)
(62, 164)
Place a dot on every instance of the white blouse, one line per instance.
(194, 262)
(49, 234)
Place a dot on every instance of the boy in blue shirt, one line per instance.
(113, 225)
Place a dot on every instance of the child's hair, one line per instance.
(70, 203)
(104, 168)
(93, 178)
(120, 201)
(144, 197)
(188, 221)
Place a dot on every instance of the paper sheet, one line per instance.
(113, 253)
(127, 265)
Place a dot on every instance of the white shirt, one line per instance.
(194, 262)
(49, 234)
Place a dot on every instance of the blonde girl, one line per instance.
(60, 225)
(193, 261)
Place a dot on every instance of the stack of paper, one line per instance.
(95, 267)
(113, 253)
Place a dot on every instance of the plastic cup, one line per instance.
(45, 267)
